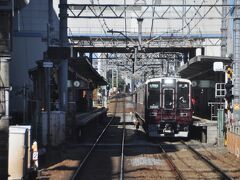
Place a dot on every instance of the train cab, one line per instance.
(167, 107)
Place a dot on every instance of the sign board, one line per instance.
(35, 156)
(218, 66)
(47, 64)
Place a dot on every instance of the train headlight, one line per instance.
(183, 114)
(168, 81)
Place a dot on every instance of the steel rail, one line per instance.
(74, 177)
(216, 168)
(171, 164)
(123, 142)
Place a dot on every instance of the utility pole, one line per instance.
(134, 68)
(140, 21)
(236, 64)
(184, 16)
(224, 29)
(47, 65)
(63, 68)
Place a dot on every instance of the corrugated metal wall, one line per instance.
(233, 141)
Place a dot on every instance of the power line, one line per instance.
(187, 24)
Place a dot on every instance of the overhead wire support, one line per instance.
(149, 5)
(153, 14)
(106, 8)
(125, 21)
(107, 11)
(120, 32)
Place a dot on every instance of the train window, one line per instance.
(183, 95)
(168, 98)
(154, 95)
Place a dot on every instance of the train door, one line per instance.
(135, 101)
(168, 98)
(183, 95)
(153, 99)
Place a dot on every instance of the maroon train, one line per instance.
(164, 106)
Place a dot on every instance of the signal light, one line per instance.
(229, 96)
(229, 85)
(229, 72)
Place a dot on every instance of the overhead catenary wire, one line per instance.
(105, 23)
(106, 27)
(153, 14)
(105, 32)
(188, 23)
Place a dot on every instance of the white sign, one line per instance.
(76, 83)
(35, 156)
(47, 64)
(218, 66)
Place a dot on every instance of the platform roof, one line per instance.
(80, 66)
(83, 67)
(201, 67)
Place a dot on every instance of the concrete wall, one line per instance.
(29, 43)
(26, 50)
(34, 18)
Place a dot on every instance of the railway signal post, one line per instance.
(228, 86)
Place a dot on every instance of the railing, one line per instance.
(214, 107)
(234, 129)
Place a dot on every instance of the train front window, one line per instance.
(183, 95)
(154, 95)
(168, 98)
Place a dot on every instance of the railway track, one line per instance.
(216, 168)
(200, 172)
(123, 142)
(171, 164)
(115, 150)
(226, 163)
(90, 153)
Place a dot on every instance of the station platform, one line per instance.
(83, 119)
(198, 121)
(205, 129)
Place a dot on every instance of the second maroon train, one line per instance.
(164, 106)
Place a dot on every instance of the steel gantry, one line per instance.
(108, 11)
(186, 35)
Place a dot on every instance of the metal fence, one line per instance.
(214, 109)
